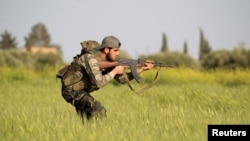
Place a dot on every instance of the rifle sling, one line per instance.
(144, 88)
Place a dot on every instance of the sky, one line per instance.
(139, 24)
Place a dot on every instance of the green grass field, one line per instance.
(178, 107)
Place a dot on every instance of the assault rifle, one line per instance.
(132, 64)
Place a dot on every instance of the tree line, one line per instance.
(40, 37)
(208, 59)
(12, 56)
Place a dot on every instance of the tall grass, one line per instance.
(178, 107)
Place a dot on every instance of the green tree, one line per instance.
(201, 44)
(8, 42)
(164, 47)
(185, 48)
(204, 46)
(39, 36)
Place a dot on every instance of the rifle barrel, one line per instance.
(163, 65)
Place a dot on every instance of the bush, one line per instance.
(238, 58)
(47, 60)
(17, 58)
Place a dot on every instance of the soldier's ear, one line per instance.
(106, 50)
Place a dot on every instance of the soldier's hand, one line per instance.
(117, 70)
(147, 65)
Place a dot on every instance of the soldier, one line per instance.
(88, 73)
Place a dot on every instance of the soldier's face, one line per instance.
(113, 54)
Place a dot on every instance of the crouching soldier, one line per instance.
(86, 74)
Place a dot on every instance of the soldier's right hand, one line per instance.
(118, 69)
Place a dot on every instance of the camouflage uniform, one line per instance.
(78, 93)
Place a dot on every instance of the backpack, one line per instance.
(72, 75)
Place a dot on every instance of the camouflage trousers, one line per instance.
(86, 106)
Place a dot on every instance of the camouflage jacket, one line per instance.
(93, 78)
